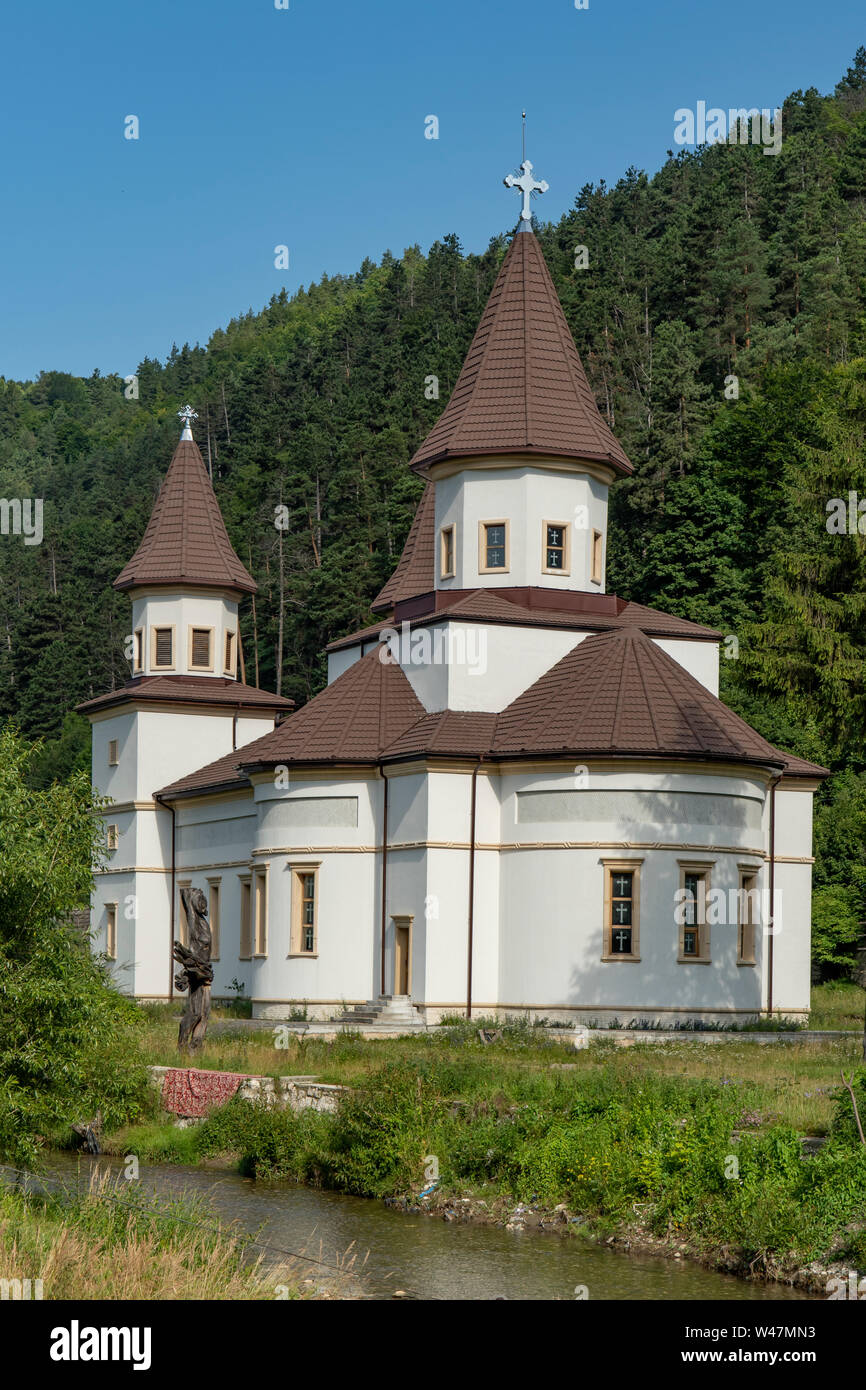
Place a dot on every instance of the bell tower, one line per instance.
(185, 580)
(520, 458)
(183, 707)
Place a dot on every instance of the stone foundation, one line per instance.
(582, 1017)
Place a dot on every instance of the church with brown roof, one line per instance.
(517, 794)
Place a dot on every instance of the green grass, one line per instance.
(706, 1159)
(797, 1079)
(838, 1005)
(114, 1243)
(643, 1133)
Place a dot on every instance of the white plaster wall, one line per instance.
(526, 498)
(156, 747)
(142, 964)
(792, 928)
(700, 659)
(344, 966)
(408, 807)
(183, 611)
(793, 819)
(484, 666)
(538, 908)
(448, 889)
(117, 782)
(115, 888)
(174, 743)
(341, 660)
(251, 726)
(479, 666)
(792, 938)
(214, 839)
(553, 897)
(409, 894)
(501, 662)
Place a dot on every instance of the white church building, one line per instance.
(518, 793)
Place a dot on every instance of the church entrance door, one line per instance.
(401, 958)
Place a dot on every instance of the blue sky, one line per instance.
(305, 127)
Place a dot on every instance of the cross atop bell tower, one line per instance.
(527, 185)
(187, 415)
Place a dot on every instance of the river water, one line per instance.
(423, 1257)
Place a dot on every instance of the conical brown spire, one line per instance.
(414, 572)
(523, 388)
(186, 541)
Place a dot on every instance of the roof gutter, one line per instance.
(471, 914)
(771, 916)
(384, 777)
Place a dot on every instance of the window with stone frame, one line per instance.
(621, 909)
(748, 915)
(596, 558)
(493, 546)
(447, 552)
(691, 913)
(260, 912)
(556, 558)
(305, 910)
(214, 893)
(111, 930)
(245, 948)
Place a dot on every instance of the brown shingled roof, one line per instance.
(414, 572)
(352, 720)
(207, 690)
(616, 695)
(522, 388)
(489, 606)
(619, 693)
(223, 774)
(451, 733)
(186, 541)
(801, 767)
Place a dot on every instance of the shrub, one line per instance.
(67, 1037)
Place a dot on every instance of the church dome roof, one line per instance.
(522, 389)
(186, 541)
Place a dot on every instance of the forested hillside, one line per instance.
(727, 263)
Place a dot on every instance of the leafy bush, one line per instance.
(67, 1037)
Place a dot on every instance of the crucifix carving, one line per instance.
(196, 973)
(527, 185)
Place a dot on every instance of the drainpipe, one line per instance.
(384, 867)
(166, 806)
(235, 718)
(772, 913)
(471, 888)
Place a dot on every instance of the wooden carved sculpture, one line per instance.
(197, 972)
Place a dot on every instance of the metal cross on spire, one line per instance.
(527, 185)
(187, 415)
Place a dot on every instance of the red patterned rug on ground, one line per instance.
(189, 1092)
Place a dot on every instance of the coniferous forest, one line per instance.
(722, 323)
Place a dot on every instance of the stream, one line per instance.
(383, 1251)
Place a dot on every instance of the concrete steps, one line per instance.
(391, 1013)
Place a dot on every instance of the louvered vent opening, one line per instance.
(163, 647)
(200, 646)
